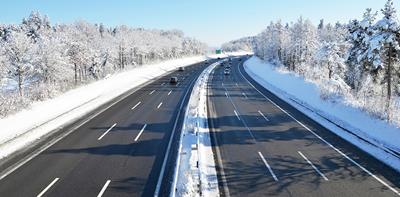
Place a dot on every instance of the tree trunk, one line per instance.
(76, 74)
(293, 63)
(19, 73)
(85, 75)
(81, 74)
(389, 83)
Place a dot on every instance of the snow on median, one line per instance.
(195, 173)
(27, 126)
(374, 136)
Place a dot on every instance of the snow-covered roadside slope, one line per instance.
(27, 126)
(374, 136)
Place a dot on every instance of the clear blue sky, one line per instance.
(212, 21)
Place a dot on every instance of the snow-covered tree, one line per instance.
(52, 61)
(19, 51)
(384, 50)
(303, 45)
(331, 58)
(359, 37)
(36, 25)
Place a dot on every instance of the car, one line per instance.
(227, 71)
(240, 59)
(219, 58)
(173, 80)
(181, 69)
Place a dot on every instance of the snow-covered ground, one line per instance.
(235, 53)
(374, 136)
(195, 172)
(31, 124)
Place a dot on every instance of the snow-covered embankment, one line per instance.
(374, 136)
(195, 172)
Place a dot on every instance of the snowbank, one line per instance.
(227, 54)
(374, 136)
(25, 127)
(195, 172)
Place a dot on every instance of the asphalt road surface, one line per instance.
(265, 147)
(120, 152)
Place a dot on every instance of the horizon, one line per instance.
(223, 18)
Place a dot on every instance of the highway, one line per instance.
(126, 150)
(265, 147)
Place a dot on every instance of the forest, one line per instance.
(40, 60)
(357, 62)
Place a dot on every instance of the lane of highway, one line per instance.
(117, 153)
(268, 148)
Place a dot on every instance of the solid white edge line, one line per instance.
(104, 188)
(48, 187)
(237, 115)
(269, 167)
(222, 172)
(313, 166)
(169, 92)
(326, 142)
(159, 105)
(136, 105)
(140, 133)
(108, 130)
(263, 115)
(152, 92)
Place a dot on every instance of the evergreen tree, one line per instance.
(384, 51)
(360, 33)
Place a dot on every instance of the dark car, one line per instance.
(227, 71)
(173, 80)
(181, 69)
